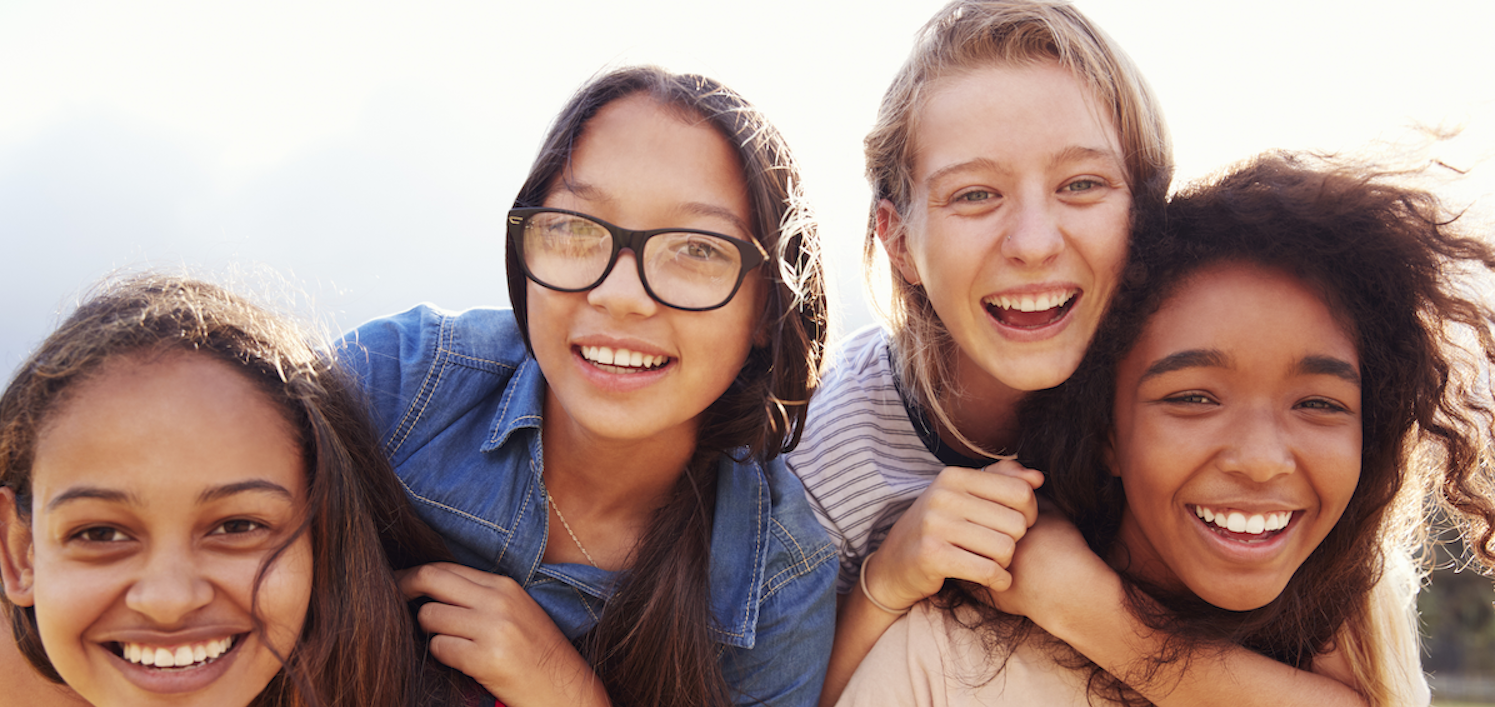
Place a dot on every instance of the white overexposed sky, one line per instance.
(368, 151)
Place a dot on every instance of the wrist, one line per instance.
(867, 592)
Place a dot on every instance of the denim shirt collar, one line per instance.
(742, 518)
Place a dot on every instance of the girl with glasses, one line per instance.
(604, 459)
(1272, 415)
(1012, 158)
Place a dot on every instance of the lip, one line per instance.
(1259, 549)
(1039, 333)
(173, 681)
(619, 381)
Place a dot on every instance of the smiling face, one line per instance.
(159, 490)
(620, 366)
(1237, 434)
(1018, 224)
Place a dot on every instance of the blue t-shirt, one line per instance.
(458, 403)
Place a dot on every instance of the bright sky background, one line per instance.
(368, 151)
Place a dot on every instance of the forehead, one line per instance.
(170, 422)
(1005, 109)
(1247, 307)
(639, 155)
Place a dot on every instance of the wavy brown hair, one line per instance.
(963, 36)
(359, 643)
(654, 644)
(1394, 267)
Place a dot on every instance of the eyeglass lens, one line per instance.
(570, 252)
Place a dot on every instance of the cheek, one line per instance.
(286, 593)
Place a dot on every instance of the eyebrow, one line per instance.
(1073, 153)
(81, 493)
(251, 486)
(1193, 358)
(979, 162)
(1329, 366)
(1076, 153)
(588, 192)
(96, 493)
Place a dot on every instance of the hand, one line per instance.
(966, 525)
(1051, 562)
(486, 626)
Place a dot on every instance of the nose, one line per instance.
(622, 293)
(1033, 238)
(1258, 447)
(170, 588)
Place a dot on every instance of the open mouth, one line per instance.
(1245, 527)
(622, 360)
(185, 656)
(1031, 311)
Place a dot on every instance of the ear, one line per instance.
(16, 555)
(894, 236)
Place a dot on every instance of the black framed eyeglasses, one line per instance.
(683, 268)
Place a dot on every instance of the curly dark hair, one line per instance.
(358, 517)
(1391, 263)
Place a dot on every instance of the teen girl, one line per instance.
(609, 448)
(192, 501)
(1012, 156)
(1252, 444)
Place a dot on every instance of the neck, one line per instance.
(982, 408)
(609, 485)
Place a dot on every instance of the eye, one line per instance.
(237, 526)
(975, 196)
(701, 249)
(1082, 185)
(100, 534)
(1192, 397)
(1322, 404)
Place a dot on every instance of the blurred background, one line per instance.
(362, 155)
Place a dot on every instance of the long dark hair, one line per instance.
(358, 518)
(654, 644)
(1391, 264)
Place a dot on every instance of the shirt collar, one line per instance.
(521, 406)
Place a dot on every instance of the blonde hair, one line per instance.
(968, 34)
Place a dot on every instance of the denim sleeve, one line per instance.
(796, 624)
(388, 358)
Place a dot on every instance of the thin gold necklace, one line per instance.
(570, 532)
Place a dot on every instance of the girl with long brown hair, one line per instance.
(603, 459)
(195, 510)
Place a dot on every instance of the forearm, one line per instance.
(1105, 631)
(858, 626)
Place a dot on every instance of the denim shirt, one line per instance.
(458, 403)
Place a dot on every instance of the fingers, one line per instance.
(981, 495)
(453, 584)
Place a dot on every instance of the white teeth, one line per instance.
(181, 656)
(1033, 303)
(1237, 522)
(622, 358)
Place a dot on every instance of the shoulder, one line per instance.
(799, 548)
(482, 337)
(856, 416)
(424, 368)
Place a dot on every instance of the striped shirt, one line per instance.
(866, 454)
